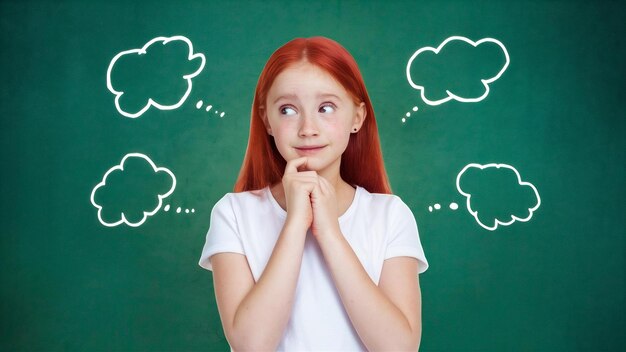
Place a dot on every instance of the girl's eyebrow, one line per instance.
(287, 97)
(328, 95)
(291, 96)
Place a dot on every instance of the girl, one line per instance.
(313, 252)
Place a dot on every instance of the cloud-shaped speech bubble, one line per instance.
(456, 60)
(499, 192)
(132, 186)
(159, 59)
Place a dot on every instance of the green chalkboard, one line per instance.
(122, 123)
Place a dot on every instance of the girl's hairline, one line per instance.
(355, 99)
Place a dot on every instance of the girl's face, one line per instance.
(311, 115)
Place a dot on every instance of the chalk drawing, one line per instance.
(208, 108)
(179, 209)
(408, 114)
(117, 171)
(493, 225)
(145, 50)
(437, 206)
(451, 95)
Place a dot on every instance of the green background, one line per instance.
(553, 283)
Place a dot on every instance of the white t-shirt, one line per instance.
(377, 227)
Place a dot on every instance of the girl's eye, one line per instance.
(327, 108)
(287, 110)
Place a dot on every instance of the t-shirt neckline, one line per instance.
(283, 213)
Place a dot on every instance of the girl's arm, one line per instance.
(254, 316)
(387, 316)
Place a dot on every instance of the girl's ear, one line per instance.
(263, 114)
(359, 117)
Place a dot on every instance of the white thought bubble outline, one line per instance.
(450, 94)
(145, 213)
(519, 181)
(151, 102)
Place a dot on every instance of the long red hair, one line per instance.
(362, 161)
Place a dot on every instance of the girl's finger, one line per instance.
(324, 185)
(329, 187)
(307, 174)
(293, 165)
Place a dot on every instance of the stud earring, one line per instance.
(354, 130)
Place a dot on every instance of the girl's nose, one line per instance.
(308, 126)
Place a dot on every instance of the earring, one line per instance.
(354, 130)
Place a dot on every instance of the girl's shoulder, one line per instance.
(243, 197)
(378, 197)
(379, 201)
(240, 201)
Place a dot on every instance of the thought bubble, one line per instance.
(458, 69)
(496, 194)
(159, 74)
(132, 191)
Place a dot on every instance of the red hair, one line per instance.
(362, 161)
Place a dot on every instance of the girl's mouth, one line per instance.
(309, 149)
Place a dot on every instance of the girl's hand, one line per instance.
(298, 187)
(325, 209)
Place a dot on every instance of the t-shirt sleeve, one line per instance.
(404, 240)
(223, 235)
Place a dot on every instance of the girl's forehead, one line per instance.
(305, 78)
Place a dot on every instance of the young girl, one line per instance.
(313, 252)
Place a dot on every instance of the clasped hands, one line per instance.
(310, 199)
